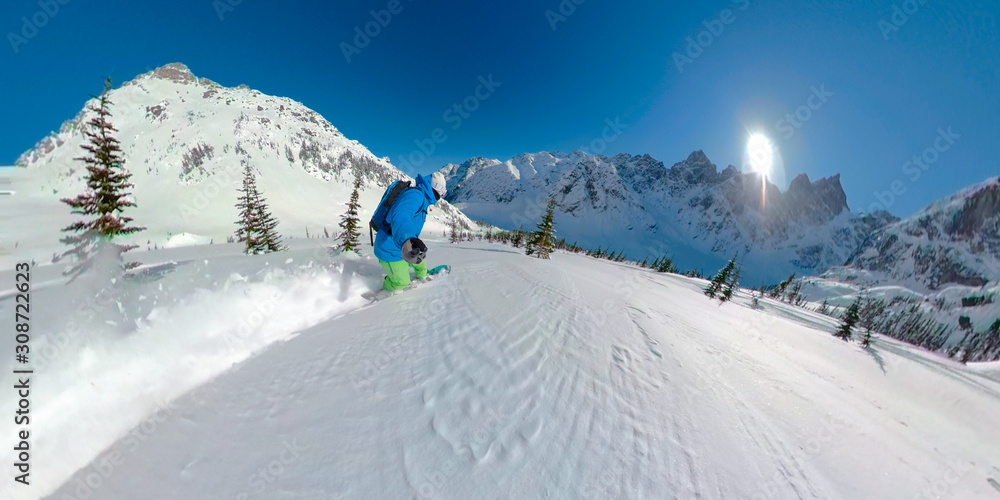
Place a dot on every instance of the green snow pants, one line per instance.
(398, 273)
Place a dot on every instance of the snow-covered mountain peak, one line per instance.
(175, 72)
(185, 140)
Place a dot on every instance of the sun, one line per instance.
(761, 153)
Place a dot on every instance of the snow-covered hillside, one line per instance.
(955, 241)
(184, 139)
(217, 375)
(690, 211)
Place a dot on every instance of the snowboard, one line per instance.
(439, 269)
(377, 295)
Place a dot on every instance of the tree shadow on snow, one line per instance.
(877, 357)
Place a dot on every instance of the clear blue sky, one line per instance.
(892, 89)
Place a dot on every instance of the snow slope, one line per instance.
(509, 378)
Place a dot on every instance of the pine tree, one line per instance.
(349, 222)
(794, 297)
(269, 227)
(257, 228)
(541, 242)
(848, 320)
(824, 308)
(732, 283)
(108, 183)
(456, 236)
(516, 238)
(720, 278)
(247, 225)
(665, 265)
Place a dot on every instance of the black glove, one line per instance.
(414, 251)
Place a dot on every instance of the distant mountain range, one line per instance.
(690, 211)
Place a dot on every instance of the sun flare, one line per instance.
(761, 153)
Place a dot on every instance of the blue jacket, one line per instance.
(406, 217)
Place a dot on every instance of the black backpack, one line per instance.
(379, 222)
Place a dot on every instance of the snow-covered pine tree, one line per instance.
(732, 283)
(542, 240)
(848, 320)
(720, 278)
(824, 308)
(107, 194)
(350, 237)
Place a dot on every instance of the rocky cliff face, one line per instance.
(953, 241)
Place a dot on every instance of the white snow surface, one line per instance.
(229, 376)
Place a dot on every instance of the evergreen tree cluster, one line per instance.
(850, 318)
(725, 282)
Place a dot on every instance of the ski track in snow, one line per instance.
(518, 378)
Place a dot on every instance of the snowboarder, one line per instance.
(398, 246)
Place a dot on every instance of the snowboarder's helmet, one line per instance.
(439, 185)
